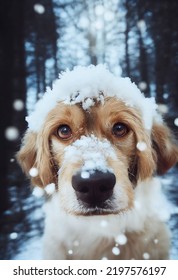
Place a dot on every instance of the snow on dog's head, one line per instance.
(86, 85)
(95, 136)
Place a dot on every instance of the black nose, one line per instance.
(96, 189)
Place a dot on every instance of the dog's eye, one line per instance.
(120, 129)
(64, 132)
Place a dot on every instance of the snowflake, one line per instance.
(85, 175)
(13, 235)
(50, 189)
(142, 86)
(18, 104)
(115, 251)
(70, 252)
(141, 146)
(39, 9)
(11, 133)
(146, 256)
(121, 239)
(176, 121)
(33, 172)
(38, 192)
(141, 25)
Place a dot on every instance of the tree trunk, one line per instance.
(12, 84)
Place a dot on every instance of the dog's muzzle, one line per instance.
(95, 189)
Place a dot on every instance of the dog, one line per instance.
(101, 144)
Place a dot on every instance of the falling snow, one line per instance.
(104, 258)
(70, 252)
(165, 95)
(18, 105)
(121, 239)
(146, 256)
(39, 9)
(85, 174)
(116, 251)
(50, 189)
(13, 235)
(163, 108)
(141, 25)
(142, 86)
(38, 192)
(141, 146)
(176, 121)
(11, 133)
(33, 172)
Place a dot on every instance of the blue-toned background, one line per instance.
(40, 38)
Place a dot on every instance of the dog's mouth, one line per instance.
(97, 208)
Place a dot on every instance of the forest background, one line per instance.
(40, 38)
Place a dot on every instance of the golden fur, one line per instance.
(45, 151)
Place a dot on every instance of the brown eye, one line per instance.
(64, 132)
(120, 129)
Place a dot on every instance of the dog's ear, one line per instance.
(145, 165)
(164, 145)
(160, 154)
(35, 153)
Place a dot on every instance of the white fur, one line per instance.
(63, 231)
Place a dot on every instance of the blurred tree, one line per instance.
(127, 30)
(41, 46)
(28, 46)
(12, 85)
(163, 29)
(143, 58)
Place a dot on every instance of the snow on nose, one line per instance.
(93, 152)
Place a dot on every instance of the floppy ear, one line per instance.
(35, 152)
(145, 165)
(165, 148)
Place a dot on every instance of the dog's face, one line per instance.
(97, 156)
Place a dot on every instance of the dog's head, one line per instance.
(95, 148)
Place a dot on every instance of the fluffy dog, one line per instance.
(101, 143)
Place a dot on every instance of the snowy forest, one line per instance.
(39, 39)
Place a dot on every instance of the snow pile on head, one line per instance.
(85, 85)
(93, 152)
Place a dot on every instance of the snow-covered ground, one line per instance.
(22, 227)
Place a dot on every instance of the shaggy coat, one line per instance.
(130, 222)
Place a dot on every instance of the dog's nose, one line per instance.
(96, 189)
